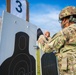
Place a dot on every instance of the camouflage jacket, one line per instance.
(44, 39)
(63, 41)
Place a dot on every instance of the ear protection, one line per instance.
(72, 19)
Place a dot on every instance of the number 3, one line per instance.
(19, 9)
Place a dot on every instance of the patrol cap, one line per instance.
(67, 11)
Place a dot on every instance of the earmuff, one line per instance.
(72, 19)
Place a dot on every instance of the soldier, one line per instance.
(64, 42)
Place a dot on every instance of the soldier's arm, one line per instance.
(58, 41)
(55, 44)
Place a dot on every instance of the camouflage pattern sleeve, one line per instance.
(70, 31)
(56, 43)
(62, 38)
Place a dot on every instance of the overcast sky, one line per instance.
(44, 13)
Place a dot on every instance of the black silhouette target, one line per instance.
(20, 67)
(21, 63)
(49, 64)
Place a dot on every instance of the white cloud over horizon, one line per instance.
(45, 17)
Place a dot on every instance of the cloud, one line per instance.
(45, 17)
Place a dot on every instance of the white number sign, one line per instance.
(20, 8)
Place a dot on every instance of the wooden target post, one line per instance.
(19, 8)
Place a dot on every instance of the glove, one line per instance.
(42, 40)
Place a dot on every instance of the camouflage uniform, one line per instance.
(44, 39)
(64, 44)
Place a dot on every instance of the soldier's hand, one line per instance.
(41, 41)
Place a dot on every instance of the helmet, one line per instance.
(67, 11)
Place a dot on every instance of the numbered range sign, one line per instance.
(19, 8)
